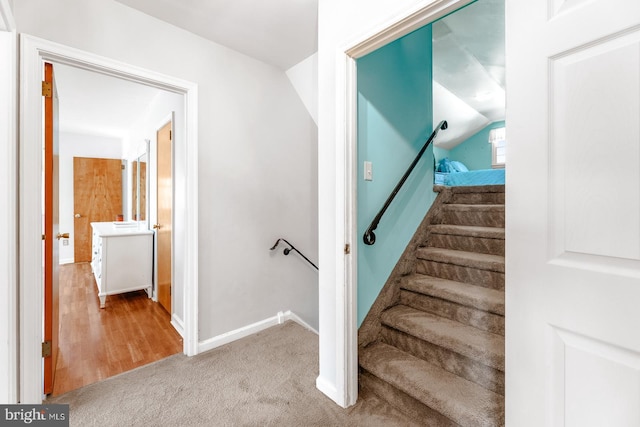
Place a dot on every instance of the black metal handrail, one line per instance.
(293, 248)
(369, 236)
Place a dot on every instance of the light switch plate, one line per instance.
(368, 171)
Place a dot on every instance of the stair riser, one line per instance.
(406, 404)
(480, 319)
(478, 198)
(479, 261)
(478, 217)
(473, 276)
(467, 243)
(487, 377)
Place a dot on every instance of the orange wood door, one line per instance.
(51, 231)
(97, 197)
(163, 225)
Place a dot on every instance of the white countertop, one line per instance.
(105, 229)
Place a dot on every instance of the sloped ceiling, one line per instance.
(278, 32)
(469, 70)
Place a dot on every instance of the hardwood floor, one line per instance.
(97, 343)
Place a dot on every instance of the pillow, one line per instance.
(444, 165)
(458, 166)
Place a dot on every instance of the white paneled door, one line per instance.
(573, 213)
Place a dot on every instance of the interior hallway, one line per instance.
(96, 343)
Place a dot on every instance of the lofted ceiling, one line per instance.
(278, 32)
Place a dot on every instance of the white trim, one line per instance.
(404, 23)
(290, 315)
(8, 221)
(177, 324)
(33, 52)
(191, 247)
(351, 228)
(66, 261)
(251, 329)
(327, 387)
(7, 22)
(419, 15)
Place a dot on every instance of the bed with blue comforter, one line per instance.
(453, 173)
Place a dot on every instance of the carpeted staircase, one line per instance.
(432, 345)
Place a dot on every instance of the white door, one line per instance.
(573, 213)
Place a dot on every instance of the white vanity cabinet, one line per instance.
(122, 259)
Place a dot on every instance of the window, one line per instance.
(498, 141)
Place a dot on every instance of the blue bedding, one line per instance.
(477, 177)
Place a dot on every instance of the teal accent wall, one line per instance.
(475, 151)
(440, 153)
(395, 118)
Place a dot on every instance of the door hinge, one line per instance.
(46, 349)
(347, 249)
(170, 135)
(44, 237)
(46, 89)
(122, 167)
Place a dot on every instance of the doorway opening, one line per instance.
(353, 165)
(107, 324)
(34, 53)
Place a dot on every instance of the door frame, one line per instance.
(33, 52)
(410, 20)
(8, 214)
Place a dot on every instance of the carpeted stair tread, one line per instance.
(478, 198)
(474, 207)
(478, 297)
(497, 188)
(484, 347)
(462, 258)
(468, 231)
(460, 400)
(485, 215)
(389, 399)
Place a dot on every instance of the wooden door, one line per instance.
(164, 216)
(573, 213)
(51, 234)
(97, 197)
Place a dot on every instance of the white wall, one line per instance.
(7, 22)
(341, 23)
(257, 157)
(78, 145)
(304, 78)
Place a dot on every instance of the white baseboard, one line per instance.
(177, 324)
(254, 328)
(289, 315)
(66, 261)
(329, 390)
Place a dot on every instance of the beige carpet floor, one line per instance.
(267, 379)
